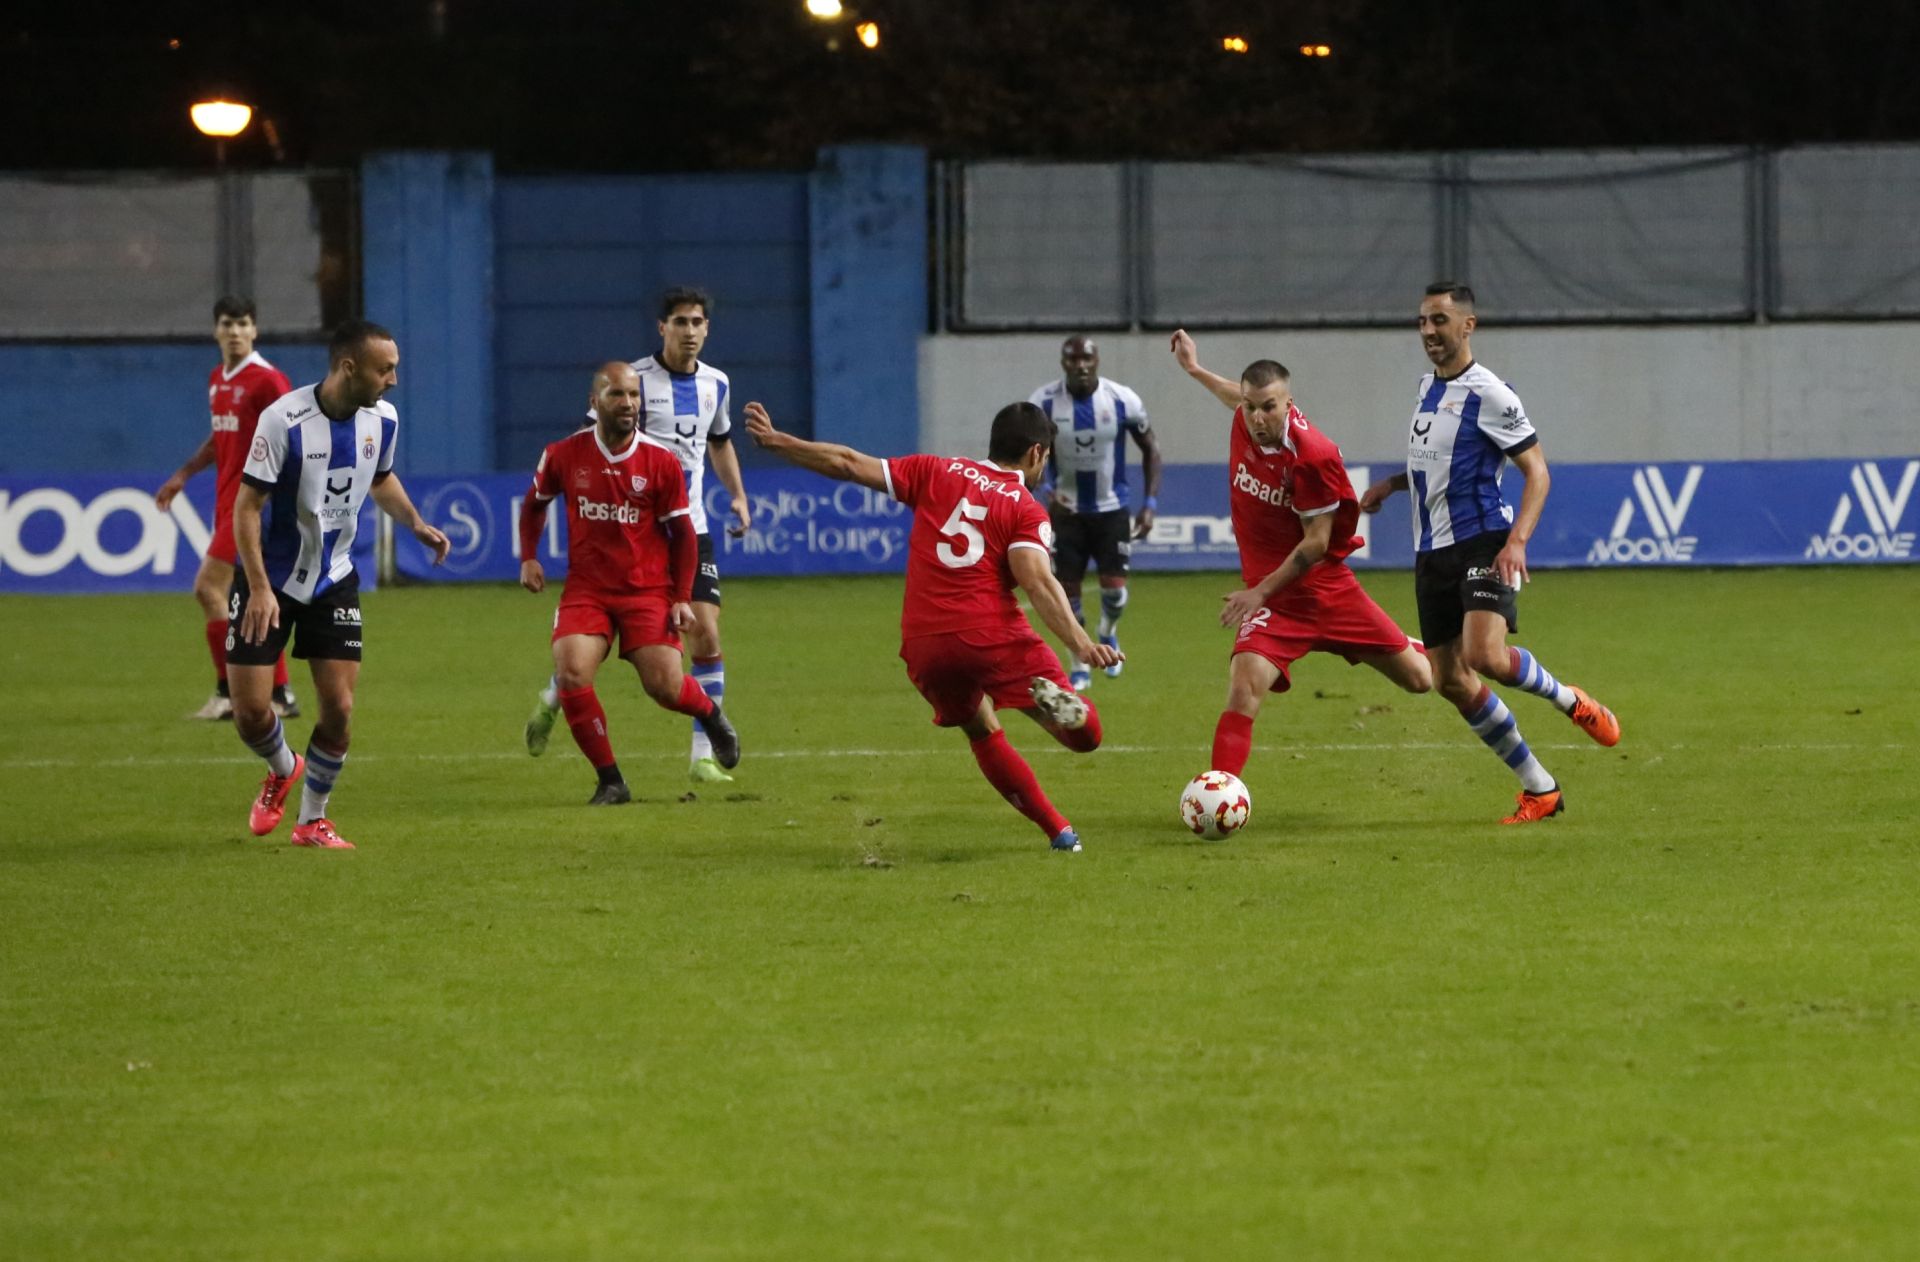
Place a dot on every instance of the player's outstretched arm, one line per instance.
(832, 459)
(1033, 572)
(1382, 491)
(1188, 356)
(393, 501)
(200, 459)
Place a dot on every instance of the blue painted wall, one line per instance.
(582, 261)
(126, 407)
(869, 285)
(427, 256)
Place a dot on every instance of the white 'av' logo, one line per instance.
(1665, 514)
(1882, 540)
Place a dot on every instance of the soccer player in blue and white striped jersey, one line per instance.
(1086, 489)
(1470, 545)
(318, 455)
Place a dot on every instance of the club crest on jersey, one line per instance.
(580, 479)
(639, 482)
(366, 447)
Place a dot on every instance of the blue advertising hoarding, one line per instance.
(82, 533)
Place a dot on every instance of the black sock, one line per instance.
(610, 774)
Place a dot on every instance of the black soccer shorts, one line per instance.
(1450, 581)
(1106, 538)
(706, 582)
(327, 628)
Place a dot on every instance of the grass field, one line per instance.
(851, 1006)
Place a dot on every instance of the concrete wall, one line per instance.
(1685, 392)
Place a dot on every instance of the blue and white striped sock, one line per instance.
(1493, 723)
(323, 768)
(711, 675)
(1113, 602)
(273, 748)
(1528, 675)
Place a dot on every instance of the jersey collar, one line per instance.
(1463, 372)
(253, 357)
(633, 445)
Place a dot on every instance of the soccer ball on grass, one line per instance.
(1215, 805)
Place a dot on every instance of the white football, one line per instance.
(1215, 805)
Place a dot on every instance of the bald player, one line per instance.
(1086, 490)
(631, 563)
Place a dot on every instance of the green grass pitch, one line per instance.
(852, 1007)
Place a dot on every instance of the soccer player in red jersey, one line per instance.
(238, 390)
(631, 562)
(977, 534)
(1294, 513)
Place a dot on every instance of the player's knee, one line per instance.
(252, 719)
(1458, 688)
(1493, 662)
(1418, 676)
(571, 678)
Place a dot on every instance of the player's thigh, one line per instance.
(947, 674)
(212, 584)
(1007, 671)
(1251, 675)
(266, 651)
(577, 657)
(659, 668)
(1409, 668)
(1071, 548)
(1436, 595)
(983, 722)
(1112, 546)
(704, 638)
(1483, 641)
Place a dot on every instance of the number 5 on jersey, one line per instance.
(959, 525)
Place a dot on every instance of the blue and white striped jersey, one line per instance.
(1090, 451)
(317, 473)
(1464, 429)
(681, 411)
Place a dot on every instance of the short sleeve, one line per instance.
(1320, 484)
(268, 454)
(1032, 528)
(1133, 413)
(1503, 418)
(722, 423)
(907, 477)
(389, 435)
(673, 487)
(1039, 399)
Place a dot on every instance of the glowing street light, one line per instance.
(1315, 50)
(1234, 44)
(825, 10)
(221, 119)
(869, 33)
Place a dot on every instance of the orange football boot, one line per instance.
(1594, 719)
(1535, 806)
(320, 835)
(271, 802)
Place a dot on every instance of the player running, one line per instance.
(1470, 547)
(684, 408)
(978, 534)
(1294, 514)
(1088, 496)
(238, 390)
(319, 454)
(631, 561)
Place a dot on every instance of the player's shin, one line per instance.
(588, 723)
(217, 649)
(1528, 675)
(272, 746)
(1232, 742)
(1113, 603)
(1009, 773)
(1494, 724)
(323, 768)
(710, 673)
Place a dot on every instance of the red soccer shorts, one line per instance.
(222, 547)
(1328, 613)
(638, 620)
(954, 671)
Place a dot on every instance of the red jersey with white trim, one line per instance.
(967, 516)
(1274, 487)
(236, 400)
(618, 504)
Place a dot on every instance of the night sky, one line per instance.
(743, 84)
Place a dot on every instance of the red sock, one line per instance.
(1083, 739)
(693, 699)
(589, 724)
(280, 671)
(1232, 742)
(217, 645)
(1008, 772)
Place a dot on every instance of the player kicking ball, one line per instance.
(1294, 513)
(631, 561)
(977, 534)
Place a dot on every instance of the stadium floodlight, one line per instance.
(869, 33)
(221, 119)
(824, 9)
(1315, 50)
(1234, 44)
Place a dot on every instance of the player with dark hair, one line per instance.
(238, 390)
(977, 534)
(684, 408)
(1294, 513)
(1088, 495)
(319, 454)
(631, 564)
(1470, 546)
